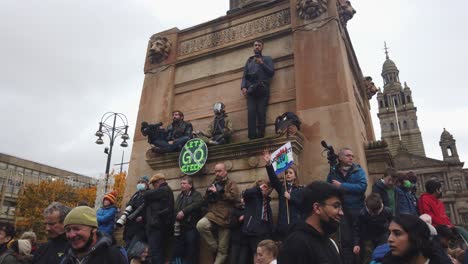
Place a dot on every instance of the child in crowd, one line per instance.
(267, 252)
(138, 253)
(371, 227)
(106, 214)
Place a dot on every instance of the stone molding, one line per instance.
(311, 9)
(249, 150)
(234, 33)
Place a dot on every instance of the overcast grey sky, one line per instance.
(65, 63)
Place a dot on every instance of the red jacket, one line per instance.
(429, 204)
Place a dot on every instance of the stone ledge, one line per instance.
(229, 151)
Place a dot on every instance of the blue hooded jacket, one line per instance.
(106, 219)
(354, 185)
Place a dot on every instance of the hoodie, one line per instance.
(305, 245)
(429, 204)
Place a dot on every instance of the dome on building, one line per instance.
(446, 135)
(389, 65)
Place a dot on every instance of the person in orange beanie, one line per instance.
(106, 214)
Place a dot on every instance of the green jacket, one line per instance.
(191, 206)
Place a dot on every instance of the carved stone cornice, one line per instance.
(249, 149)
(245, 30)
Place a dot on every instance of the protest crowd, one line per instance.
(331, 221)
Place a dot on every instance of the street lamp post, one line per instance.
(112, 132)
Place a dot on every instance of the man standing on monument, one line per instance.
(178, 133)
(222, 196)
(350, 178)
(255, 86)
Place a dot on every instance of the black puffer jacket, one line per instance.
(101, 253)
(52, 251)
(305, 245)
(159, 204)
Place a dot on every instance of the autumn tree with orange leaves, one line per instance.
(119, 187)
(35, 198)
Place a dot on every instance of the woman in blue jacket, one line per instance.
(106, 214)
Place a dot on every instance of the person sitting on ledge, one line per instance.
(178, 133)
(220, 129)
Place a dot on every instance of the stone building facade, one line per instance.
(405, 148)
(397, 112)
(449, 172)
(15, 172)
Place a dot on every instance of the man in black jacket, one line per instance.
(53, 251)
(310, 242)
(258, 219)
(178, 133)
(255, 86)
(188, 211)
(87, 244)
(159, 203)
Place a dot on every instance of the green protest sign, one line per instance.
(193, 156)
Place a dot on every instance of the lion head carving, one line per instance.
(345, 10)
(311, 9)
(159, 50)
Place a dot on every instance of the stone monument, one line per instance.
(317, 76)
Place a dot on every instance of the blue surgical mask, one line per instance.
(141, 186)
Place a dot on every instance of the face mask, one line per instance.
(407, 184)
(329, 227)
(141, 187)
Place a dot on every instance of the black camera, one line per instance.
(331, 155)
(213, 197)
(152, 131)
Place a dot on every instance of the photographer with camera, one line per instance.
(159, 205)
(350, 178)
(154, 132)
(188, 211)
(222, 196)
(133, 217)
(175, 136)
(255, 86)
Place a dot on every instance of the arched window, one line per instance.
(408, 99)
(405, 124)
(392, 127)
(449, 151)
(381, 103)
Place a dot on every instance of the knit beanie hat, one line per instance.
(144, 179)
(81, 215)
(24, 247)
(112, 197)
